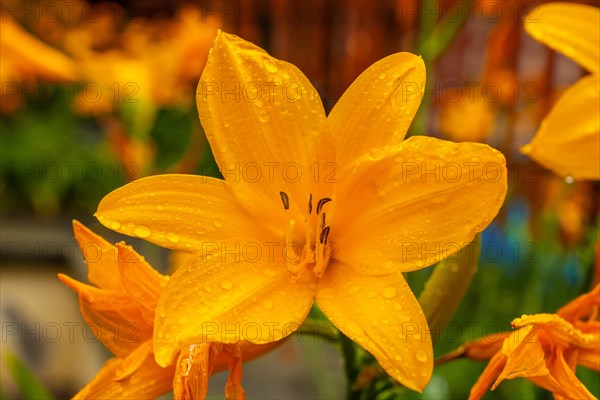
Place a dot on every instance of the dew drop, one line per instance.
(371, 294)
(142, 231)
(569, 179)
(159, 207)
(115, 225)
(389, 292)
(218, 223)
(421, 355)
(263, 116)
(382, 76)
(173, 237)
(162, 312)
(270, 66)
(226, 284)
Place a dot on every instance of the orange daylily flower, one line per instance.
(120, 310)
(544, 348)
(332, 209)
(568, 141)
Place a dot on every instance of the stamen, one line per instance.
(321, 203)
(309, 203)
(323, 260)
(322, 221)
(285, 200)
(324, 234)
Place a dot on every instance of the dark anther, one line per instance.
(323, 219)
(285, 200)
(309, 203)
(321, 203)
(324, 235)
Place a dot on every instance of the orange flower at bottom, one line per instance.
(120, 311)
(545, 348)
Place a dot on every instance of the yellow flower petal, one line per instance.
(378, 107)
(571, 386)
(561, 331)
(180, 212)
(568, 141)
(113, 317)
(571, 29)
(226, 297)
(525, 356)
(262, 118)
(191, 372)
(417, 203)
(484, 348)
(140, 280)
(589, 358)
(149, 381)
(100, 256)
(134, 360)
(233, 388)
(489, 374)
(382, 315)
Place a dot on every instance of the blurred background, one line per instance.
(96, 94)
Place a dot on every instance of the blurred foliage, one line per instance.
(30, 388)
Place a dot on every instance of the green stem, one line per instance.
(319, 329)
(348, 350)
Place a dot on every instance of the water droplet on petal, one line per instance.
(142, 231)
(421, 355)
(372, 294)
(218, 223)
(173, 237)
(389, 292)
(226, 284)
(263, 116)
(270, 66)
(115, 225)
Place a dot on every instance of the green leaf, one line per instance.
(29, 386)
(447, 285)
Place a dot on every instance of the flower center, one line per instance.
(316, 252)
